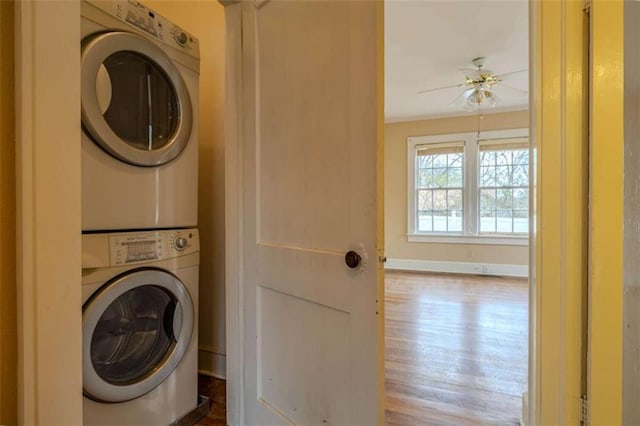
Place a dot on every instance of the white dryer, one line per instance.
(140, 326)
(139, 91)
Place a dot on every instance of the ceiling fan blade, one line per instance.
(440, 88)
(506, 74)
(512, 89)
(462, 97)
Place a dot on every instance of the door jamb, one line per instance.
(559, 87)
(234, 212)
(48, 227)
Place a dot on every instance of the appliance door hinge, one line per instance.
(584, 417)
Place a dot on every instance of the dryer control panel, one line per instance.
(140, 16)
(147, 246)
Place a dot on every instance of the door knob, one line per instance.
(352, 259)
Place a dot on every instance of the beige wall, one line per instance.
(395, 186)
(205, 19)
(8, 340)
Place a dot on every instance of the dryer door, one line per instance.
(136, 328)
(135, 104)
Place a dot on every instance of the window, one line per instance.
(504, 186)
(439, 187)
(468, 189)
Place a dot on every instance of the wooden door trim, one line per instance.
(234, 170)
(606, 212)
(559, 242)
(48, 212)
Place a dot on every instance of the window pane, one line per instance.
(503, 222)
(521, 221)
(487, 221)
(455, 177)
(455, 160)
(455, 221)
(440, 199)
(504, 199)
(503, 176)
(521, 199)
(439, 178)
(439, 160)
(424, 222)
(440, 220)
(521, 175)
(454, 199)
(487, 158)
(424, 200)
(487, 199)
(503, 158)
(521, 156)
(424, 178)
(424, 161)
(487, 176)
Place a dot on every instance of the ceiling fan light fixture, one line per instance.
(479, 94)
(490, 97)
(479, 86)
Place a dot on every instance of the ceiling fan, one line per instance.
(479, 86)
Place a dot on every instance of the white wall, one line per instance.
(205, 19)
(396, 245)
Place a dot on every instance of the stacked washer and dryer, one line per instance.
(140, 258)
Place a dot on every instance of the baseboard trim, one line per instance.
(212, 363)
(498, 269)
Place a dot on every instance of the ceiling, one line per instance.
(426, 42)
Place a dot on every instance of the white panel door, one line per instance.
(309, 322)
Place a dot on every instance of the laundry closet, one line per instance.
(141, 235)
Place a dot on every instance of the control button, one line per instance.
(181, 37)
(180, 243)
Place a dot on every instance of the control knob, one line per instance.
(181, 37)
(180, 243)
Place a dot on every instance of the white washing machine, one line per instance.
(139, 91)
(139, 326)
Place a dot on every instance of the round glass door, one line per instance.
(135, 104)
(136, 329)
(141, 106)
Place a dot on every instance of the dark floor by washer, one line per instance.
(215, 389)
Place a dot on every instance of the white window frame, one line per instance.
(471, 225)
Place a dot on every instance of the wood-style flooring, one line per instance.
(456, 351)
(216, 390)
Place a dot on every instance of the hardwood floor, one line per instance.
(456, 349)
(216, 390)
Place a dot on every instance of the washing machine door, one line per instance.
(135, 104)
(136, 328)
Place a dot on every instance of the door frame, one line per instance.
(606, 222)
(558, 34)
(559, 87)
(233, 153)
(48, 214)
(48, 227)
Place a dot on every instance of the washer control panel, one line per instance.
(147, 246)
(140, 16)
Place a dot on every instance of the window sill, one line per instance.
(498, 240)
